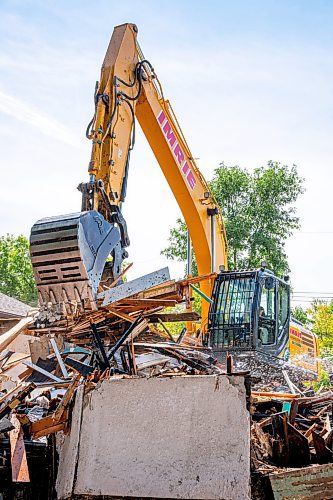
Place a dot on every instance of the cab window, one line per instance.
(267, 317)
(283, 306)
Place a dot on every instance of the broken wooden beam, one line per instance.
(16, 399)
(41, 370)
(8, 337)
(173, 317)
(133, 330)
(20, 471)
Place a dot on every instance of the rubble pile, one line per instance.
(267, 372)
(291, 430)
(128, 338)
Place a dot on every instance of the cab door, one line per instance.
(274, 315)
(267, 316)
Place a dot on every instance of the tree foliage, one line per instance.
(16, 276)
(258, 211)
(301, 315)
(318, 318)
(321, 317)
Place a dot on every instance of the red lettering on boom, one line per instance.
(191, 179)
(185, 167)
(179, 154)
(177, 151)
(161, 117)
(169, 134)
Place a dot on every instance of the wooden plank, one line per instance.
(8, 337)
(324, 454)
(289, 383)
(174, 346)
(270, 395)
(197, 279)
(67, 398)
(168, 290)
(173, 317)
(147, 303)
(51, 430)
(20, 471)
(293, 411)
(123, 272)
(41, 370)
(48, 425)
(59, 358)
(121, 315)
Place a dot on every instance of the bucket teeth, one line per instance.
(68, 254)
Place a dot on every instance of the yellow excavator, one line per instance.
(72, 255)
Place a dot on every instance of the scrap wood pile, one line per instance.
(290, 430)
(130, 337)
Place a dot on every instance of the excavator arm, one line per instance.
(129, 89)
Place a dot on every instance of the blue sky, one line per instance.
(250, 81)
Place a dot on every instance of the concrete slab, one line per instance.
(181, 437)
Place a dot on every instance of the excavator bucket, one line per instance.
(68, 255)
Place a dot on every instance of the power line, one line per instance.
(313, 232)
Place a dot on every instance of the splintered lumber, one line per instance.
(135, 286)
(59, 419)
(133, 330)
(173, 317)
(41, 370)
(20, 471)
(290, 447)
(8, 337)
(17, 399)
(166, 330)
(6, 396)
(119, 278)
(263, 441)
(48, 425)
(289, 382)
(324, 454)
(230, 363)
(78, 366)
(270, 395)
(121, 315)
(168, 290)
(147, 303)
(59, 358)
(198, 279)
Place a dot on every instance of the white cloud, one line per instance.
(47, 125)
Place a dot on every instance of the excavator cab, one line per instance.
(250, 310)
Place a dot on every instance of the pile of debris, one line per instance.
(269, 372)
(290, 430)
(128, 338)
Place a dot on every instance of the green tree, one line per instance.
(16, 276)
(258, 211)
(321, 317)
(301, 315)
